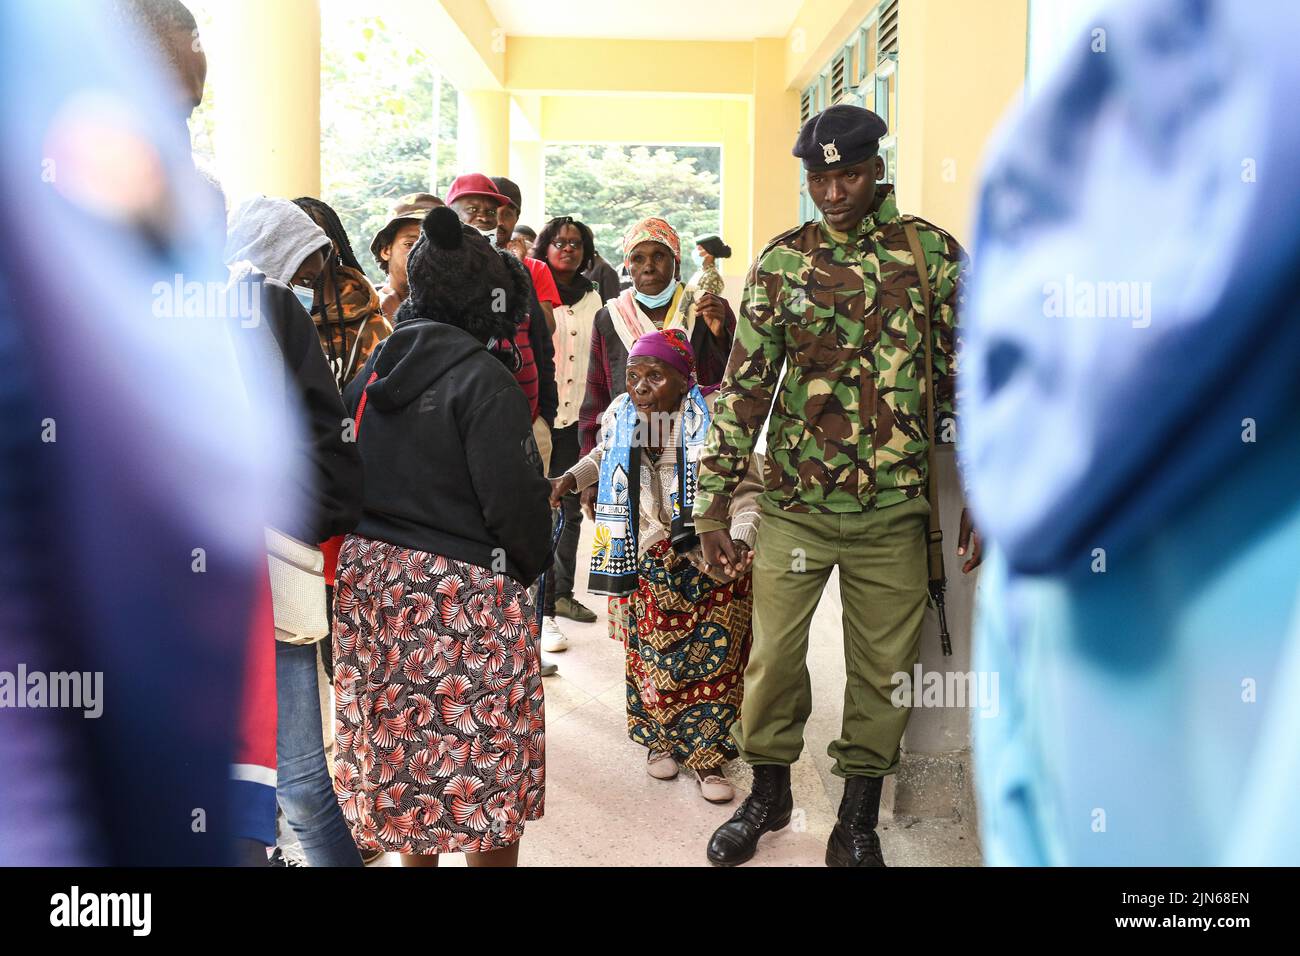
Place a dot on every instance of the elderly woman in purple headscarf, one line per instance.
(690, 634)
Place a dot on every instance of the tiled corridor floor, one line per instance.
(603, 809)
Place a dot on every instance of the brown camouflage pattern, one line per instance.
(845, 316)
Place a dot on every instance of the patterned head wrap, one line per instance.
(670, 346)
(653, 229)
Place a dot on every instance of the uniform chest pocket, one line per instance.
(821, 337)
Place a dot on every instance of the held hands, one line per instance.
(588, 502)
(724, 558)
(969, 539)
(560, 487)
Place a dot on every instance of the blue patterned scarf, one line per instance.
(614, 553)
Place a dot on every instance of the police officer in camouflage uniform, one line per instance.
(839, 302)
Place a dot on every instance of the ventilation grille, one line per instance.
(838, 69)
(888, 30)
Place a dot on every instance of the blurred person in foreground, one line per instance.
(438, 689)
(132, 500)
(1135, 461)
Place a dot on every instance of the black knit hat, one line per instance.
(456, 277)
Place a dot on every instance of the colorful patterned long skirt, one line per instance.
(440, 731)
(685, 662)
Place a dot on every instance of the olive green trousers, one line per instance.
(882, 575)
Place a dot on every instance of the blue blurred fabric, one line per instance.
(156, 455)
(1148, 713)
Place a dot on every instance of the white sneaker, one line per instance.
(553, 639)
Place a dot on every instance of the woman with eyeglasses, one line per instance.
(568, 248)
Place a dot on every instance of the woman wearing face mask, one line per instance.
(689, 627)
(653, 260)
(655, 301)
(347, 313)
(279, 240)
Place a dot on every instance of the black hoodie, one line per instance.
(450, 462)
(326, 469)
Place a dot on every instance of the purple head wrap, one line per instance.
(670, 346)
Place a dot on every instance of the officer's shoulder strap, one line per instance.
(949, 240)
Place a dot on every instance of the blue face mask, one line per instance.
(663, 298)
(305, 295)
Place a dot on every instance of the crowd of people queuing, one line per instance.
(389, 483)
(461, 420)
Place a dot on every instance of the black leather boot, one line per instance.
(765, 810)
(854, 841)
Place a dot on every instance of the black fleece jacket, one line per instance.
(447, 443)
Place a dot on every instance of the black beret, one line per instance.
(839, 136)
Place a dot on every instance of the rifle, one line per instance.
(934, 550)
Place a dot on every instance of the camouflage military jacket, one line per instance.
(844, 314)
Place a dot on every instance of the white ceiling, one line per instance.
(647, 19)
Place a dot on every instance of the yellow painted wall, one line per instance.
(554, 65)
(774, 124)
(609, 119)
(268, 114)
(960, 66)
(527, 165)
(483, 131)
(820, 28)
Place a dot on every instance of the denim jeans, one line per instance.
(304, 788)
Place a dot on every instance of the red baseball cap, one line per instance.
(475, 184)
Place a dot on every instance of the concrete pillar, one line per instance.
(774, 126)
(527, 157)
(268, 109)
(483, 130)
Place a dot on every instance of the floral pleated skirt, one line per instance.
(439, 710)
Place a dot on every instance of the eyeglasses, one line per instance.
(566, 243)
